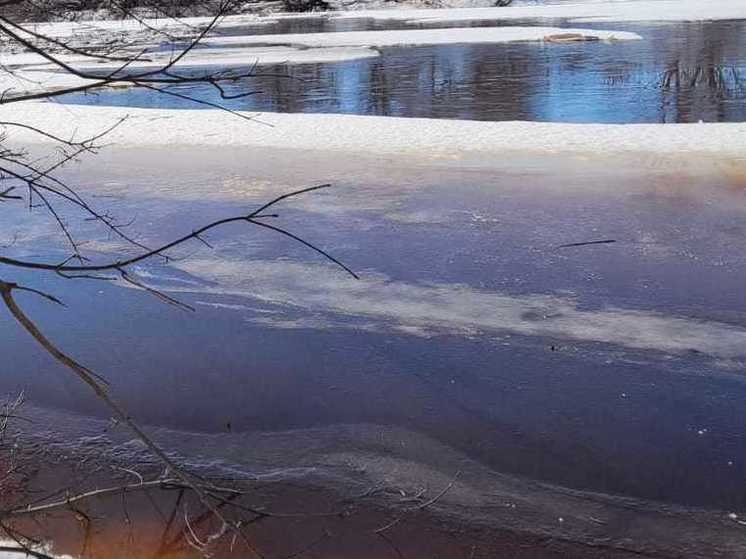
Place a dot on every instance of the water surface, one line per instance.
(677, 73)
(469, 324)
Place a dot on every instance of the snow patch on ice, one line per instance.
(444, 308)
(32, 75)
(410, 37)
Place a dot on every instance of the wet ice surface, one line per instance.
(677, 73)
(615, 368)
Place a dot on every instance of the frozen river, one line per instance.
(614, 368)
(600, 381)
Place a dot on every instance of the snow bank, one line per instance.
(632, 10)
(376, 135)
(596, 11)
(170, 25)
(423, 37)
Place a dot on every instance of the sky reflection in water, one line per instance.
(678, 73)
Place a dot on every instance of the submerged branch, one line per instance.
(93, 382)
(124, 263)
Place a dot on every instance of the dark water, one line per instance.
(278, 343)
(678, 73)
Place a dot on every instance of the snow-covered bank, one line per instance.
(375, 135)
(390, 38)
(119, 26)
(455, 10)
(600, 11)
